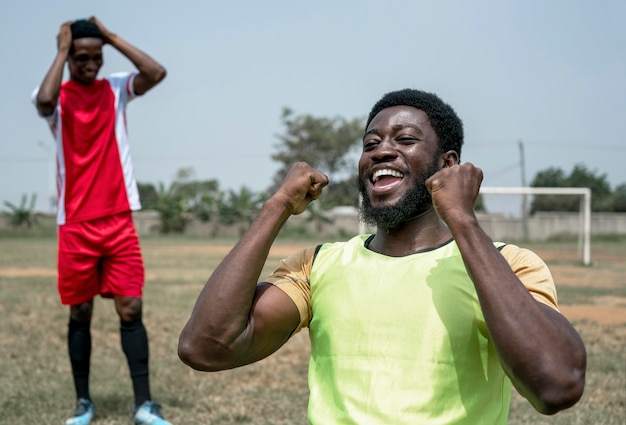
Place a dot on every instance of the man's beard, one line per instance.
(413, 203)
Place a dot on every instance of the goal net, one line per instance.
(497, 227)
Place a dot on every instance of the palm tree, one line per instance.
(22, 215)
(171, 208)
(242, 207)
(210, 209)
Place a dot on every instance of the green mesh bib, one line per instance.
(400, 340)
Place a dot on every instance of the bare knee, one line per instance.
(129, 308)
(81, 312)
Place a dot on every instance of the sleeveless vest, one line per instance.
(400, 340)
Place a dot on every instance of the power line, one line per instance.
(136, 158)
(504, 170)
(564, 145)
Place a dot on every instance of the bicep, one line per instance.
(46, 105)
(273, 318)
(142, 83)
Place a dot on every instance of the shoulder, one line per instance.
(521, 257)
(122, 81)
(292, 277)
(119, 76)
(533, 272)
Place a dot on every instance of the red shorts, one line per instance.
(100, 256)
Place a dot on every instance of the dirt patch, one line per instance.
(595, 313)
(593, 277)
(277, 250)
(607, 272)
(605, 310)
(208, 249)
(17, 272)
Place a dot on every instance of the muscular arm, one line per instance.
(235, 321)
(539, 349)
(150, 71)
(48, 94)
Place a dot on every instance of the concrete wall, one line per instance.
(344, 221)
(546, 225)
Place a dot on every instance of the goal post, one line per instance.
(584, 238)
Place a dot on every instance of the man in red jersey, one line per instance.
(99, 250)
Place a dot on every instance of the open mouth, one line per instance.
(386, 178)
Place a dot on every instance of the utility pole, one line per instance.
(524, 196)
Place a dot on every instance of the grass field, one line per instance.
(35, 377)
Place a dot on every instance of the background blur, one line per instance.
(549, 74)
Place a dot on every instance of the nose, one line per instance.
(385, 150)
(91, 65)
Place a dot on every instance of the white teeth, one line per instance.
(386, 172)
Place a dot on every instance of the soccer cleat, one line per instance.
(83, 413)
(149, 413)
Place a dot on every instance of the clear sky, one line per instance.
(551, 74)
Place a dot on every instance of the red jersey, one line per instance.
(95, 176)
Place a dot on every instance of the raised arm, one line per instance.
(235, 321)
(48, 94)
(150, 71)
(540, 351)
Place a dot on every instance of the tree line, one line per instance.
(603, 199)
(331, 145)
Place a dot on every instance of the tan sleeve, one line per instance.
(533, 273)
(292, 277)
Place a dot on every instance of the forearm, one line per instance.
(538, 348)
(148, 68)
(220, 325)
(48, 94)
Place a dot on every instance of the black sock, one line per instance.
(135, 346)
(79, 347)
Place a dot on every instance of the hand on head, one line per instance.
(105, 32)
(80, 28)
(64, 38)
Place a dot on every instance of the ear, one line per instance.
(448, 159)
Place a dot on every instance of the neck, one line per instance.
(419, 233)
(83, 82)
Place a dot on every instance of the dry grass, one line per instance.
(35, 378)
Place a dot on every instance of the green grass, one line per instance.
(35, 378)
(582, 295)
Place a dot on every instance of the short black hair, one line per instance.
(446, 123)
(83, 28)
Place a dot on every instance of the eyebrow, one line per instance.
(396, 127)
(372, 131)
(86, 55)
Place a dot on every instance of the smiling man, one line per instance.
(99, 251)
(427, 321)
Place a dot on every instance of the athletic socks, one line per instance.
(79, 347)
(135, 346)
